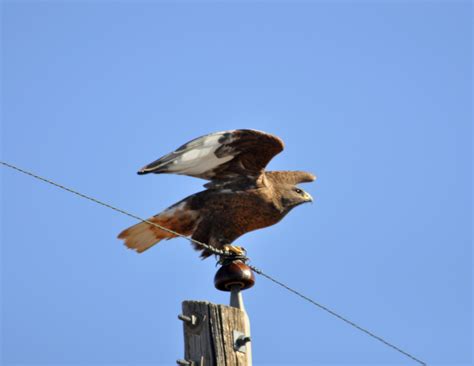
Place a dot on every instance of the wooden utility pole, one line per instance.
(218, 335)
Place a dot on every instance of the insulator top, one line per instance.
(232, 274)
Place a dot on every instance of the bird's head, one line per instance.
(292, 196)
(286, 193)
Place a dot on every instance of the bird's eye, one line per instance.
(299, 191)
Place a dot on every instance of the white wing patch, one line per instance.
(200, 158)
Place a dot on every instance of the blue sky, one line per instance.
(374, 98)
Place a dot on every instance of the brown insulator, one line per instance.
(234, 274)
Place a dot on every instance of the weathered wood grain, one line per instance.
(211, 339)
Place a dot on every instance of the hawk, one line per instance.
(240, 196)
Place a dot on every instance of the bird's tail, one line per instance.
(143, 235)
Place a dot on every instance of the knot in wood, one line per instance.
(234, 274)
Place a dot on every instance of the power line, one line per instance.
(204, 245)
(220, 253)
(325, 308)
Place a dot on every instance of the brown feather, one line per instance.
(230, 154)
(143, 236)
(240, 198)
(290, 177)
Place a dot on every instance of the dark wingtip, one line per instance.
(145, 169)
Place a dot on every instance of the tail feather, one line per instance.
(143, 235)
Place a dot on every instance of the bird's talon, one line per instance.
(235, 250)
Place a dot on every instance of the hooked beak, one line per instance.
(308, 197)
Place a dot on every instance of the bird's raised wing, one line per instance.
(290, 177)
(220, 156)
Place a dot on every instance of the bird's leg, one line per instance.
(240, 251)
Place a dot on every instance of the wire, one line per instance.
(204, 245)
(304, 297)
(220, 253)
